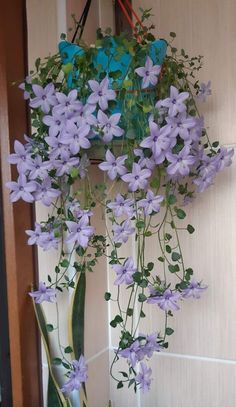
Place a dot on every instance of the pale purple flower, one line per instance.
(57, 148)
(45, 97)
(203, 181)
(56, 123)
(137, 179)
(167, 301)
(109, 125)
(77, 376)
(86, 114)
(181, 163)
(39, 168)
(34, 235)
(43, 294)
(122, 232)
(21, 157)
(180, 125)
(79, 232)
(22, 189)
(48, 241)
(132, 353)
(124, 272)
(196, 131)
(204, 91)
(45, 193)
(114, 166)
(151, 345)
(151, 203)
(65, 164)
(143, 378)
(68, 105)
(158, 142)
(175, 102)
(144, 161)
(22, 86)
(76, 137)
(209, 165)
(194, 290)
(149, 73)
(224, 158)
(122, 206)
(101, 94)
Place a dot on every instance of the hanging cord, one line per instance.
(82, 21)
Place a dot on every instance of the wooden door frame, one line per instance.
(19, 258)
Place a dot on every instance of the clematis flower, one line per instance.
(86, 114)
(203, 182)
(56, 123)
(22, 189)
(151, 203)
(175, 102)
(79, 232)
(113, 166)
(204, 91)
(109, 125)
(76, 137)
(122, 206)
(122, 232)
(45, 97)
(149, 73)
(132, 353)
(158, 142)
(65, 164)
(137, 179)
(143, 378)
(224, 158)
(167, 301)
(68, 105)
(194, 290)
(57, 148)
(45, 193)
(48, 241)
(180, 125)
(21, 157)
(151, 345)
(180, 163)
(39, 168)
(43, 294)
(124, 272)
(101, 94)
(34, 235)
(77, 376)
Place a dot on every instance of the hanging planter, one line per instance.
(129, 103)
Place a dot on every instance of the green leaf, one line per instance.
(172, 34)
(142, 315)
(142, 297)
(68, 349)
(64, 263)
(173, 268)
(140, 224)
(130, 312)
(190, 229)
(161, 259)
(150, 266)
(171, 199)
(118, 319)
(120, 385)
(180, 213)
(49, 327)
(169, 331)
(168, 249)
(56, 361)
(155, 183)
(113, 324)
(124, 374)
(175, 256)
(107, 296)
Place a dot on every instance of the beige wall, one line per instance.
(199, 370)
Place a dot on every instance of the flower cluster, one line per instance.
(155, 146)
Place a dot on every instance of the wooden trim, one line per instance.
(20, 269)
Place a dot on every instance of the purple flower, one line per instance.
(34, 235)
(77, 376)
(151, 344)
(124, 272)
(48, 241)
(203, 182)
(109, 125)
(194, 290)
(56, 123)
(167, 301)
(101, 94)
(204, 91)
(122, 232)
(65, 164)
(122, 206)
(175, 102)
(113, 166)
(132, 353)
(86, 115)
(80, 232)
(45, 97)
(149, 73)
(57, 148)
(158, 142)
(76, 137)
(137, 179)
(180, 163)
(144, 161)
(39, 168)
(22, 189)
(151, 203)
(181, 124)
(43, 294)
(224, 158)
(143, 378)
(28, 80)
(68, 105)
(45, 193)
(21, 157)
